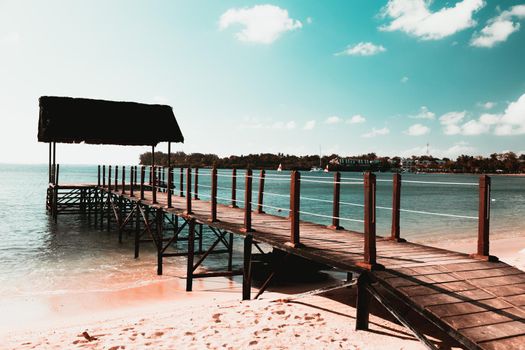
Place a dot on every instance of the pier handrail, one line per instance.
(158, 183)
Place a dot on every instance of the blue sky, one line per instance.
(283, 76)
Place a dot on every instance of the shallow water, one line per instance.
(38, 256)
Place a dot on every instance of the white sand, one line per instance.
(163, 316)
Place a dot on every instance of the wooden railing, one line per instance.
(158, 182)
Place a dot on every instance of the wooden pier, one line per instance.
(475, 299)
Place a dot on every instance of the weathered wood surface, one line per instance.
(480, 302)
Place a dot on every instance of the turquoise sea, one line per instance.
(38, 256)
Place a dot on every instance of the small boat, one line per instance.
(280, 168)
(315, 169)
(326, 169)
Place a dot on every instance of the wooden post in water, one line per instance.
(123, 179)
(395, 234)
(234, 188)
(336, 204)
(213, 198)
(248, 202)
(98, 176)
(154, 183)
(295, 202)
(369, 262)
(116, 178)
(196, 186)
(261, 193)
(483, 252)
(142, 176)
(132, 181)
(103, 176)
(247, 268)
(181, 180)
(170, 185)
(188, 191)
(109, 178)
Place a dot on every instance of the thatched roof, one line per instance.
(76, 120)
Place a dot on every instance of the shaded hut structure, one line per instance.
(98, 122)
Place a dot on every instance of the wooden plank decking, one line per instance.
(481, 302)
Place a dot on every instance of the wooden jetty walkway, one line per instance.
(473, 298)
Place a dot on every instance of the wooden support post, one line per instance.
(261, 193)
(49, 170)
(181, 180)
(191, 253)
(335, 206)
(103, 176)
(137, 231)
(247, 269)
(54, 161)
(132, 181)
(234, 188)
(362, 303)
(109, 178)
(369, 262)
(123, 179)
(116, 178)
(169, 187)
(154, 183)
(230, 252)
(395, 234)
(98, 176)
(295, 194)
(483, 252)
(196, 186)
(213, 195)
(248, 202)
(188, 191)
(159, 220)
(142, 176)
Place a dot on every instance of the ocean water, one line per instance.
(38, 256)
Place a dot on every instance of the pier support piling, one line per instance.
(247, 268)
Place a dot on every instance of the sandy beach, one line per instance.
(163, 316)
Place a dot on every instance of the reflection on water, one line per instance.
(38, 256)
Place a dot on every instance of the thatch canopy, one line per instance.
(76, 120)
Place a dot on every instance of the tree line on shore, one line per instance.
(508, 162)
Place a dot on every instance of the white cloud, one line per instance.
(256, 123)
(417, 130)
(510, 122)
(499, 28)
(284, 125)
(261, 23)
(11, 38)
(333, 120)
(474, 127)
(362, 49)
(424, 113)
(404, 80)
(452, 152)
(488, 105)
(450, 122)
(309, 125)
(415, 18)
(377, 132)
(356, 119)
